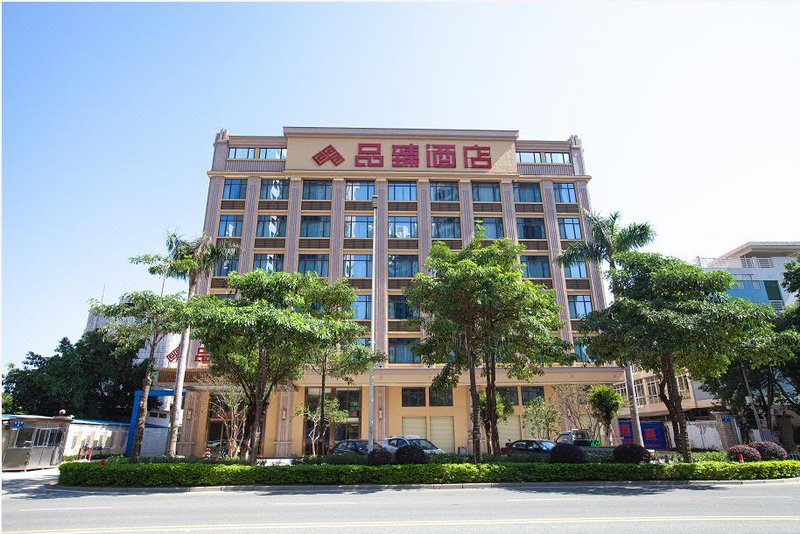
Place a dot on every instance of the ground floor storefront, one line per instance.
(404, 404)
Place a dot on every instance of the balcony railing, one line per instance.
(736, 263)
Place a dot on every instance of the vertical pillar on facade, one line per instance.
(283, 430)
(293, 224)
(380, 264)
(335, 263)
(220, 150)
(380, 413)
(211, 222)
(201, 426)
(554, 244)
(249, 224)
(467, 217)
(509, 211)
(576, 155)
(424, 226)
(595, 276)
(188, 430)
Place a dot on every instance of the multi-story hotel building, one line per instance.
(303, 202)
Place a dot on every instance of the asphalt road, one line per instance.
(31, 505)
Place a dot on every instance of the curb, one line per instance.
(470, 485)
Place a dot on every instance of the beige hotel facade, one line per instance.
(302, 201)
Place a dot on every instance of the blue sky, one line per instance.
(688, 113)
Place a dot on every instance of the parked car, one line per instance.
(349, 446)
(528, 446)
(581, 437)
(393, 443)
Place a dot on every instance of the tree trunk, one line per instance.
(323, 433)
(175, 411)
(255, 432)
(138, 433)
(662, 394)
(476, 407)
(491, 393)
(261, 405)
(679, 417)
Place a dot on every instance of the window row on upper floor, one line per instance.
(399, 227)
(399, 266)
(406, 191)
(529, 156)
(251, 152)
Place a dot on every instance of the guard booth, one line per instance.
(33, 442)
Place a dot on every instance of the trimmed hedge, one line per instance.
(197, 474)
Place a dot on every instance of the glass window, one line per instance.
(401, 351)
(569, 228)
(362, 309)
(527, 192)
(441, 397)
(413, 396)
(564, 193)
(316, 190)
(399, 308)
(485, 192)
(223, 267)
(403, 191)
(316, 263)
(358, 265)
(579, 346)
(579, 306)
(444, 191)
(272, 153)
(576, 270)
(535, 266)
(234, 189)
(403, 227)
(271, 226)
(241, 153)
(556, 157)
(230, 225)
(315, 226)
(445, 228)
(359, 190)
(529, 157)
(530, 228)
(401, 266)
(493, 226)
(358, 226)
(269, 262)
(531, 392)
(509, 395)
(274, 189)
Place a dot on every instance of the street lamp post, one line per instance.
(371, 430)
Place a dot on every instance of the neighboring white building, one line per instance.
(758, 268)
(166, 351)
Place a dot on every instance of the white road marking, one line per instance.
(756, 497)
(544, 499)
(65, 508)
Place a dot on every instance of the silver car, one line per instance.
(393, 443)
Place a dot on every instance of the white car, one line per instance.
(393, 443)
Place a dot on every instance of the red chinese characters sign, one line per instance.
(437, 156)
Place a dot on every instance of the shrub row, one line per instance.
(198, 474)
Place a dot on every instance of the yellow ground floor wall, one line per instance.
(284, 431)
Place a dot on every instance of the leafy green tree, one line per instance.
(258, 341)
(608, 238)
(142, 318)
(477, 313)
(791, 277)
(606, 404)
(542, 418)
(340, 353)
(320, 415)
(93, 379)
(189, 260)
(669, 316)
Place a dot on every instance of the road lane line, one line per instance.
(544, 499)
(424, 523)
(64, 508)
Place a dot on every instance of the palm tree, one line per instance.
(607, 239)
(188, 260)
